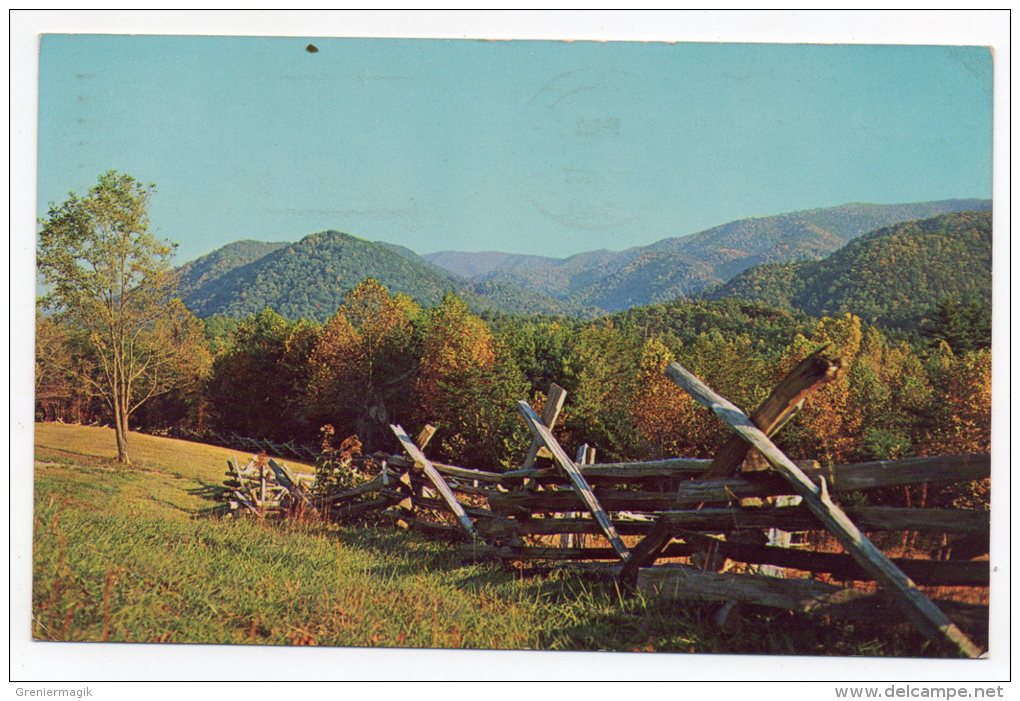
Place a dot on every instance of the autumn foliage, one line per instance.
(363, 354)
(382, 359)
(668, 420)
(467, 385)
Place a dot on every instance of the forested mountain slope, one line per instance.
(893, 276)
(308, 279)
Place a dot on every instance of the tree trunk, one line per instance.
(120, 425)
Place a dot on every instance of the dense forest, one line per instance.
(208, 269)
(309, 278)
(382, 358)
(687, 265)
(273, 340)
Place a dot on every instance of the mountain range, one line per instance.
(310, 277)
(688, 265)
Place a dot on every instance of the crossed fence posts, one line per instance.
(415, 480)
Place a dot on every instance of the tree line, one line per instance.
(383, 359)
(114, 345)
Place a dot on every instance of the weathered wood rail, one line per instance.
(266, 489)
(689, 511)
(843, 478)
(721, 519)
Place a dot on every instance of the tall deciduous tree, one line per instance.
(362, 364)
(109, 277)
(256, 388)
(963, 401)
(669, 421)
(466, 386)
(61, 358)
(828, 428)
(604, 364)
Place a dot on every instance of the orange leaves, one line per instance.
(458, 345)
(666, 417)
(375, 314)
(830, 424)
(333, 361)
(466, 386)
(457, 340)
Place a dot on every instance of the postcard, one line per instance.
(681, 348)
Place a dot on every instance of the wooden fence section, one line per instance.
(436, 479)
(927, 617)
(688, 511)
(265, 488)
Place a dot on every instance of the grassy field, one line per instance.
(138, 553)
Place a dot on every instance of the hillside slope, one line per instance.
(558, 277)
(892, 276)
(138, 554)
(212, 266)
(309, 279)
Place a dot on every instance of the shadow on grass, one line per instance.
(175, 507)
(210, 491)
(214, 492)
(650, 626)
(594, 614)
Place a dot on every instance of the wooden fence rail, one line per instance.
(916, 606)
(711, 511)
(856, 476)
(788, 518)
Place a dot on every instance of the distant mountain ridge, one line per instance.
(892, 276)
(484, 265)
(310, 277)
(688, 265)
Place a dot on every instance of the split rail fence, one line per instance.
(622, 519)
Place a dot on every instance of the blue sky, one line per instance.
(537, 147)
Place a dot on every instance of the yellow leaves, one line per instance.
(964, 401)
(843, 332)
(337, 346)
(457, 344)
(831, 423)
(467, 384)
(375, 314)
(655, 356)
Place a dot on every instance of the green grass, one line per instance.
(139, 553)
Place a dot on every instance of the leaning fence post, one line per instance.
(581, 487)
(925, 615)
(551, 412)
(435, 478)
(784, 402)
